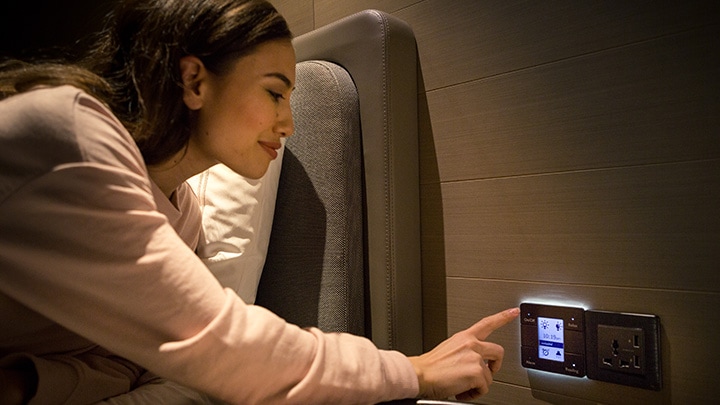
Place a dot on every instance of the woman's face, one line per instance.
(246, 112)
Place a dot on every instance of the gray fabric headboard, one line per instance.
(378, 51)
(314, 272)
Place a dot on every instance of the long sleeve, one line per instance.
(82, 245)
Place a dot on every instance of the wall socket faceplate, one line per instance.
(623, 348)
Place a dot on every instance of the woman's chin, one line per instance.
(254, 173)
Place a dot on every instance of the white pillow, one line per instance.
(237, 217)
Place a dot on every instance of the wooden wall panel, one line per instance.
(327, 11)
(433, 266)
(688, 338)
(298, 14)
(463, 40)
(568, 153)
(649, 102)
(652, 226)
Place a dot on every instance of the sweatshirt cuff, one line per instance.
(399, 370)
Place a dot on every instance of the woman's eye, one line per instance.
(276, 96)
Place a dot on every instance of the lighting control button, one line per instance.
(575, 322)
(529, 356)
(574, 364)
(528, 335)
(574, 342)
(529, 318)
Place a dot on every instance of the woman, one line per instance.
(98, 279)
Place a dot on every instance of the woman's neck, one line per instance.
(168, 180)
(168, 175)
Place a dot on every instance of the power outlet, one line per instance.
(623, 348)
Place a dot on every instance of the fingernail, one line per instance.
(513, 311)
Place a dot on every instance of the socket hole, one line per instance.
(615, 346)
(636, 341)
(636, 361)
(624, 363)
(608, 361)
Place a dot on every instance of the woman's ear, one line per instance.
(193, 75)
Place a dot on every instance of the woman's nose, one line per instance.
(285, 125)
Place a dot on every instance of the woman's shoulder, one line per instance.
(51, 116)
(68, 115)
(50, 126)
(38, 114)
(36, 133)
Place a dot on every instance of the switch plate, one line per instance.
(553, 338)
(623, 348)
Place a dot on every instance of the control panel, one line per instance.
(553, 338)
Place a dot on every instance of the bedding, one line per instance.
(237, 217)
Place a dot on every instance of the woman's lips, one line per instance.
(271, 148)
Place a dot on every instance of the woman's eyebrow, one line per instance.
(282, 77)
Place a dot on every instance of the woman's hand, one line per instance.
(463, 364)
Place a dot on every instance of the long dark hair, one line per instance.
(134, 66)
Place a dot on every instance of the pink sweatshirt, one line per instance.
(92, 274)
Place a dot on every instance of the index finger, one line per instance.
(483, 328)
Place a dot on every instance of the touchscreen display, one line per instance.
(551, 339)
